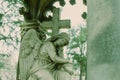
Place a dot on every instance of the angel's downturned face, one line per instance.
(61, 42)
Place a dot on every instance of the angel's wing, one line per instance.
(29, 49)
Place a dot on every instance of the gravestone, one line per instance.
(103, 40)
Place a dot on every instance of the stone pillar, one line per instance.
(103, 40)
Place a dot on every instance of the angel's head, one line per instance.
(61, 39)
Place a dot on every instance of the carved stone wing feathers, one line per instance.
(29, 49)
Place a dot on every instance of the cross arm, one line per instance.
(47, 25)
(62, 24)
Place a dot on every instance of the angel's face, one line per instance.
(61, 42)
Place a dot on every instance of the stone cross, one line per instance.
(56, 23)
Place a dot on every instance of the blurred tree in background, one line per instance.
(77, 49)
(9, 38)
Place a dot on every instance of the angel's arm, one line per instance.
(52, 53)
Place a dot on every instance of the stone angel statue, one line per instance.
(31, 40)
(49, 65)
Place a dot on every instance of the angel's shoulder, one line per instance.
(29, 34)
(31, 31)
(48, 46)
(48, 43)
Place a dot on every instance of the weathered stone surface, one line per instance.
(103, 40)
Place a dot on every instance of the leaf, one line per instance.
(74, 46)
(17, 41)
(0, 23)
(75, 66)
(15, 1)
(85, 2)
(17, 22)
(72, 53)
(83, 35)
(4, 55)
(1, 65)
(1, 15)
(84, 15)
(72, 2)
(62, 2)
(76, 39)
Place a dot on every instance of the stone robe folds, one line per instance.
(49, 66)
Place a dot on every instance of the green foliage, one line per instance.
(2, 57)
(62, 2)
(84, 15)
(1, 65)
(13, 1)
(77, 47)
(74, 45)
(83, 35)
(85, 2)
(72, 2)
(1, 15)
(11, 20)
(7, 72)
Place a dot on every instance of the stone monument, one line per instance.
(39, 58)
(103, 40)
